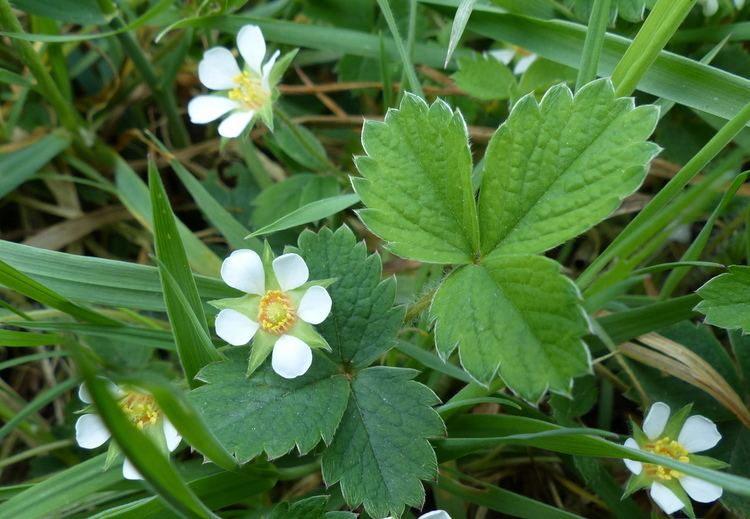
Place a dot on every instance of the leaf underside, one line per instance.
(726, 299)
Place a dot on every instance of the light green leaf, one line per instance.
(23, 339)
(312, 212)
(267, 413)
(310, 508)
(84, 12)
(19, 166)
(484, 77)
(555, 169)
(380, 452)
(459, 24)
(416, 183)
(516, 316)
(289, 195)
(726, 299)
(363, 323)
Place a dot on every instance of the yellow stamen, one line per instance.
(665, 447)
(276, 313)
(140, 408)
(249, 91)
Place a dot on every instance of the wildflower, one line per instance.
(277, 312)
(523, 58)
(679, 438)
(243, 94)
(142, 411)
(711, 7)
(436, 514)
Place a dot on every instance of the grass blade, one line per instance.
(311, 212)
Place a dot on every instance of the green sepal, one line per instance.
(246, 305)
(312, 338)
(263, 343)
(707, 462)
(675, 487)
(674, 424)
(266, 115)
(113, 454)
(279, 68)
(267, 259)
(638, 435)
(636, 483)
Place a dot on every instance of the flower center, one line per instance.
(140, 408)
(249, 91)
(669, 448)
(276, 313)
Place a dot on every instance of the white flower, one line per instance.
(142, 411)
(698, 434)
(709, 7)
(280, 318)
(437, 514)
(523, 58)
(243, 94)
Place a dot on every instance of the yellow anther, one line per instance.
(669, 448)
(249, 91)
(140, 408)
(276, 313)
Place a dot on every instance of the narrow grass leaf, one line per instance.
(19, 166)
(312, 212)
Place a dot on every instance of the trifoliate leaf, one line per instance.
(363, 322)
(380, 452)
(268, 413)
(555, 169)
(726, 299)
(416, 183)
(484, 77)
(515, 314)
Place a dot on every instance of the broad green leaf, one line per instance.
(19, 166)
(725, 299)
(380, 453)
(309, 508)
(515, 316)
(416, 183)
(740, 465)
(556, 168)
(289, 195)
(181, 298)
(84, 12)
(312, 212)
(363, 323)
(267, 413)
(484, 77)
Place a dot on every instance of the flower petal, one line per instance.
(84, 395)
(656, 419)
(233, 125)
(504, 56)
(291, 357)
(91, 431)
(700, 490)
(252, 46)
(235, 328)
(436, 514)
(665, 498)
(268, 67)
(243, 270)
(698, 434)
(172, 437)
(315, 305)
(633, 466)
(291, 271)
(204, 109)
(129, 471)
(523, 64)
(218, 69)
(739, 4)
(710, 7)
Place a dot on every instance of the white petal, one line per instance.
(665, 498)
(315, 305)
(633, 466)
(437, 514)
(204, 109)
(91, 431)
(252, 46)
(129, 471)
(700, 490)
(243, 270)
(84, 395)
(710, 7)
(235, 328)
(172, 437)
(291, 357)
(218, 69)
(656, 419)
(291, 271)
(698, 434)
(503, 55)
(269, 66)
(523, 64)
(233, 125)
(739, 4)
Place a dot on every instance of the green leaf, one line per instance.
(556, 168)
(289, 195)
(380, 451)
(181, 298)
(19, 166)
(459, 24)
(499, 315)
(726, 299)
(23, 339)
(310, 508)
(312, 212)
(363, 323)
(484, 77)
(84, 12)
(267, 413)
(416, 183)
